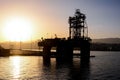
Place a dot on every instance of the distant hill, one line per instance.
(107, 40)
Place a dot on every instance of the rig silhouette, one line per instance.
(78, 38)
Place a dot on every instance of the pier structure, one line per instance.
(78, 38)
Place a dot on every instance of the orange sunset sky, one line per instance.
(32, 19)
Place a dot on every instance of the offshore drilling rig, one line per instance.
(78, 38)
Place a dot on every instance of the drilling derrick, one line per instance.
(77, 26)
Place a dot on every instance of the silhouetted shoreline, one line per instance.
(105, 47)
(40, 53)
(94, 47)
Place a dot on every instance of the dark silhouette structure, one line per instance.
(78, 25)
(4, 52)
(78, 38)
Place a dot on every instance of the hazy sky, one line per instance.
(50, 17)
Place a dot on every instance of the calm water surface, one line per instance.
(105, 66)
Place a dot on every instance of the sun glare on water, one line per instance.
(17, 29)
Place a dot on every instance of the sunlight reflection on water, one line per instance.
(15, 62)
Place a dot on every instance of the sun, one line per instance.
(18, 29)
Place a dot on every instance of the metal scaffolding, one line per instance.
(78, 26)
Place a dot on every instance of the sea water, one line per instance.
(104, 66)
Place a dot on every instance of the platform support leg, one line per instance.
(46, 55)
(64, 54)
(85, 51)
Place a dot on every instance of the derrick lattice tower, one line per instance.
(77, 26)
